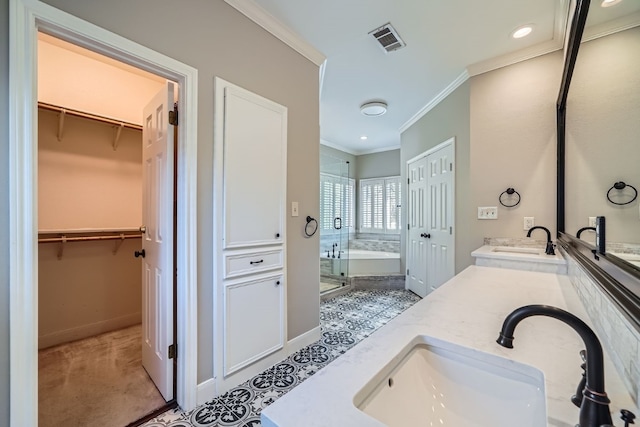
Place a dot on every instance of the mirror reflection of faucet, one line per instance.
(584, 229)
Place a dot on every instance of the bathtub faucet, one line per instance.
(549, 249)
(594, 408)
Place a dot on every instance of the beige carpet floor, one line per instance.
(97, 381)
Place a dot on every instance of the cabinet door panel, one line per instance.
(254, 321)
(255, 132)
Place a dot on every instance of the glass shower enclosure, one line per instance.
(337, 191)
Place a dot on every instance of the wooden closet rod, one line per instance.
(64, 239)
(90, 116)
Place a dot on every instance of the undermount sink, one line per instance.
(437, 383)
(513, 250)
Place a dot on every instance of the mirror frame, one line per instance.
(616, 277)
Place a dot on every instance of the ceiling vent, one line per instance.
(388, 38)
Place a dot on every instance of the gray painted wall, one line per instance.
(449, 118)
(513, 144)
(219, 41)
(385, 163)
(4, 212)
(328, 156)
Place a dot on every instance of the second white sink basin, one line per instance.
(513, 250)
(436, 383)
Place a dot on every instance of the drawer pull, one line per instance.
(256, 262)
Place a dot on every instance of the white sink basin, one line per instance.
(437, 383)
(513, 250)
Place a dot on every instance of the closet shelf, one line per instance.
(119, 124)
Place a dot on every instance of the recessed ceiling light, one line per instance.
(363, 137)
(521, 32)
(609, 3)
(376, 108)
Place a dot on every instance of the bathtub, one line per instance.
(372, 262)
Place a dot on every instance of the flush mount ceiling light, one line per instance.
(521, 32)
(609, 3)
(363, 137)
(372, 109)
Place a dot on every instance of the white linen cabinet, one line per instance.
(252, 290)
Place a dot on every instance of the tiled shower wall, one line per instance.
(619, 336)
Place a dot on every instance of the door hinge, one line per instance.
(408, 181)
(173, 115)
(450, 230)
(408, 226)
(407, 271)
(451, 167)
(173, 351)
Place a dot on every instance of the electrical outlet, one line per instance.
(488, 212)
(592, 221)
(294, 209)
(528, 222)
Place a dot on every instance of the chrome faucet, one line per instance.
(549, 249)
(584, 229)
(594, 408)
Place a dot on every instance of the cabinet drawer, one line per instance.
(241, 263)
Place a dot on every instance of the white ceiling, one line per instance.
(447, 41)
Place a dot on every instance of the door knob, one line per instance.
(425, 235)
(143, 229)
(139, 253)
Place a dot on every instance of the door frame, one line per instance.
(26, 17)
(451, 141)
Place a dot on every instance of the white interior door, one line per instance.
(440, 252)
(157, 241)
(417, 220)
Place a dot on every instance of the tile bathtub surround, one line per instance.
(375, 245)
(469, 311)
(619, 337)
(344, 320)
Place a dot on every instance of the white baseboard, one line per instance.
(246, 373)
(206, 391)
(303, 340)
(84, 331)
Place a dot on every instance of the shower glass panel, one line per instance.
(337, 213)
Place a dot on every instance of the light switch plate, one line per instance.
(294, 209)
(488, 212)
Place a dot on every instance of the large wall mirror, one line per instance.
(599, 146)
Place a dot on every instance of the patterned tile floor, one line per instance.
(344, 321)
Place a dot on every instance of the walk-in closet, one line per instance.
(90, 213)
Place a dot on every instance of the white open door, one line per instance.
(416, 241)
(157, 241)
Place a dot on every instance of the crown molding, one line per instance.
(337, 147)
(611, 27)
(560, 26)
(257, 14)
(463, 77)
(378, 150)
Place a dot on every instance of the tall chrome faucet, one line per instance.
(549, 249)
(594, 409)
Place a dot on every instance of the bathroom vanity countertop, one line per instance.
(467, 310)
